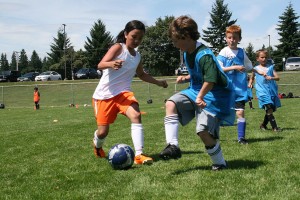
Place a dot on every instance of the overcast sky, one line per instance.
(32, 24)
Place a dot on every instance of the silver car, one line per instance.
(292, 64)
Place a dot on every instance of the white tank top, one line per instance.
(113, 82)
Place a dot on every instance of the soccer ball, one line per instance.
(121, 156)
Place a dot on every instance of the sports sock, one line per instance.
(216, 154)
(241, 128)
(97, 141)
(137, 136)
(250, 104)
(266, 120)
(171, 129)
(272, 121)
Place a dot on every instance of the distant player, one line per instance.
(266, 89)
(235, 64)
(36, 98)
(250, 95)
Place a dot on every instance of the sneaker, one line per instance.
(217, 167)
(171, 151)
(142, 160)
(242, 141)
(99, 152)
(278, 129)
(263, 127)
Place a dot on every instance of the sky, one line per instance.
(32, 24)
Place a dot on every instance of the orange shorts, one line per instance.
(106, 110)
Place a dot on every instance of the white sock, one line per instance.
(216, 155)
(97, 141)
(137, 136)
(171, 129)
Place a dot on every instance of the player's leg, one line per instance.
(271, 118)
(208, 130)
(179, 109)
(98, 140)
(241, 122)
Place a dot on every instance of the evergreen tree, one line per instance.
(14, 59)
(4, 62)
(251, 54)
(160, 57)
(220, 19)
(35, 63)
(23, 63)
(97, 46)
(58, 58)
(288, 30)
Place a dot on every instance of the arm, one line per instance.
(108, 60)
(206, 87)
(148, 78)
(275, 77)
(251, 80)
(183, 79)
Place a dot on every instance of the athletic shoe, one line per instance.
(242, 141)
(263, 127)
(99, 152)
(171, 151)
(278, 129)
(217, 167)
(142, 160)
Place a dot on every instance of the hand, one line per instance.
(200, 102)
(117, 64)
(182, 79)
(240, 68)
(163, 83)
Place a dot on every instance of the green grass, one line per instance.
(41, 159)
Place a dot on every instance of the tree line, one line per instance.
(160, 57)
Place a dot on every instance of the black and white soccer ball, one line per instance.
(121, 156)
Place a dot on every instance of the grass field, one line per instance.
(42, 159)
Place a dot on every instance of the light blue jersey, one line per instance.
(266, 90)
(239, 79)
(219, 100)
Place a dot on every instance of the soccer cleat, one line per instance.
(142, 160)
(278, 129)
(171, 151)
(217, 167)
(99, 152)
(242, 141)
(263, 127)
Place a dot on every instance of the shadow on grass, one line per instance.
(266, 139)
(157, 158)
(232, 165)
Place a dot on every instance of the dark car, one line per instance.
(9, 76)
(30, 76)
(86, 73)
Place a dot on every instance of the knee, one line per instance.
(170, 107)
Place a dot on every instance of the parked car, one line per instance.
(9, 76)
(30, 76)
(86, 73)
(182, 71)
(292, 64)
(48, 76)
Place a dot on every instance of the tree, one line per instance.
(23, 63)
(98, 44)
(14, 59)
(220, 19)
(4, 62)
(288, 30)
(160, 57)
(56, 58)
(250, 53)
(35, 63)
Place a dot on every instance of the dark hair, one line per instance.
(134, 24)
(182, 27)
